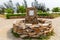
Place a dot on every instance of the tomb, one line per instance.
(31, 26)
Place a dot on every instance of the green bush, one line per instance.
(44, 14)
(23, 15)
(9, 15)
(15, 34)
(9, 10)
(21, 9)
(56, 9)
(39, 11)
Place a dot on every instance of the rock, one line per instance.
(31, 34)
(22, 25)
(40, 33)
(50, 26)
(47, 28)
(22, 36)
(39, 24)
(45, 24)
(49, 22)
(35, 36)
(35, 25)
(42, 30)
(45, 32)
(28, 25)
(32, 30)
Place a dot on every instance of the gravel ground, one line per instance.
(7, 24)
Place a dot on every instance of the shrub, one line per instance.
(9, 15)
(43, 14)
(56, 9)
(21, 9)
(9, 10)
(39, 15)
(39, 11)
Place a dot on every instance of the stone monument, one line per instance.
(31, 16)
(31, 26)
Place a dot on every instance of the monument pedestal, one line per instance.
(32, 20)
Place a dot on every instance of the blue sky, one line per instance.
(49, 3)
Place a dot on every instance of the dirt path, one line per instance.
(6, 25)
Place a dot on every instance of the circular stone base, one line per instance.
(32, 30)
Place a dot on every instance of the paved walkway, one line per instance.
(6, 25)
(56, 25)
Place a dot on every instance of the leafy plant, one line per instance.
(56, 9)
(43, 14)
(9, 10)
(9, 15)
(21, 9)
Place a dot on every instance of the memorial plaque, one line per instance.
(31, 12)
(31, 16)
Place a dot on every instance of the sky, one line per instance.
(49, 3)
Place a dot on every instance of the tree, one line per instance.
(21, 9)
(9, 10)
(48, 9)
(56, 9)
(25, 3)
(2, 9)
(39, 6)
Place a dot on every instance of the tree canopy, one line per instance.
(21, 9)
(9, 10)
(56, 9)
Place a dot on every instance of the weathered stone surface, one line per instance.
(32, 30)
(22, 36)
(31, 26)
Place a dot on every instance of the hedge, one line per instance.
(44, 14)
(23, 15)
(9, 15)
